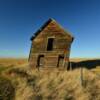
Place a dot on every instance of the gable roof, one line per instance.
(44, 25)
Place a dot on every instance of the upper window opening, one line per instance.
(50, 44)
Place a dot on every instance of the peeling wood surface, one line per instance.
(62, 42)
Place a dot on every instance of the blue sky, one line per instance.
(19, 19)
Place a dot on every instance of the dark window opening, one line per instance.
(50, 44)
(60, 61)
(40, 61)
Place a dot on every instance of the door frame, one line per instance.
(39, 60)
(59, 58)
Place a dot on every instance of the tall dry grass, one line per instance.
(54, 85)
(31, 84)
(9, 62)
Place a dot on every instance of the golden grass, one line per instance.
(13, 61)
(7, 91)
(32, 84)
(54, 85)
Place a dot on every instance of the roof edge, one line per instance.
(41, 28)
(45, 24)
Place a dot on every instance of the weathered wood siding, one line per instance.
(61, 45)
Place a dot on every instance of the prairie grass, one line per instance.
(31, 84)
(13, 61)
(7, 91)
(54, 85)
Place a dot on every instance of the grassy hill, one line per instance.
(32, 84)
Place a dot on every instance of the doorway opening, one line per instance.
(60, 61)
(40, 61)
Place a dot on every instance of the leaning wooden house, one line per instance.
(50, 47)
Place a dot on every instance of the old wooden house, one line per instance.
(50, 47)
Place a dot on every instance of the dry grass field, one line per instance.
(13, 61)
(19, 82)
